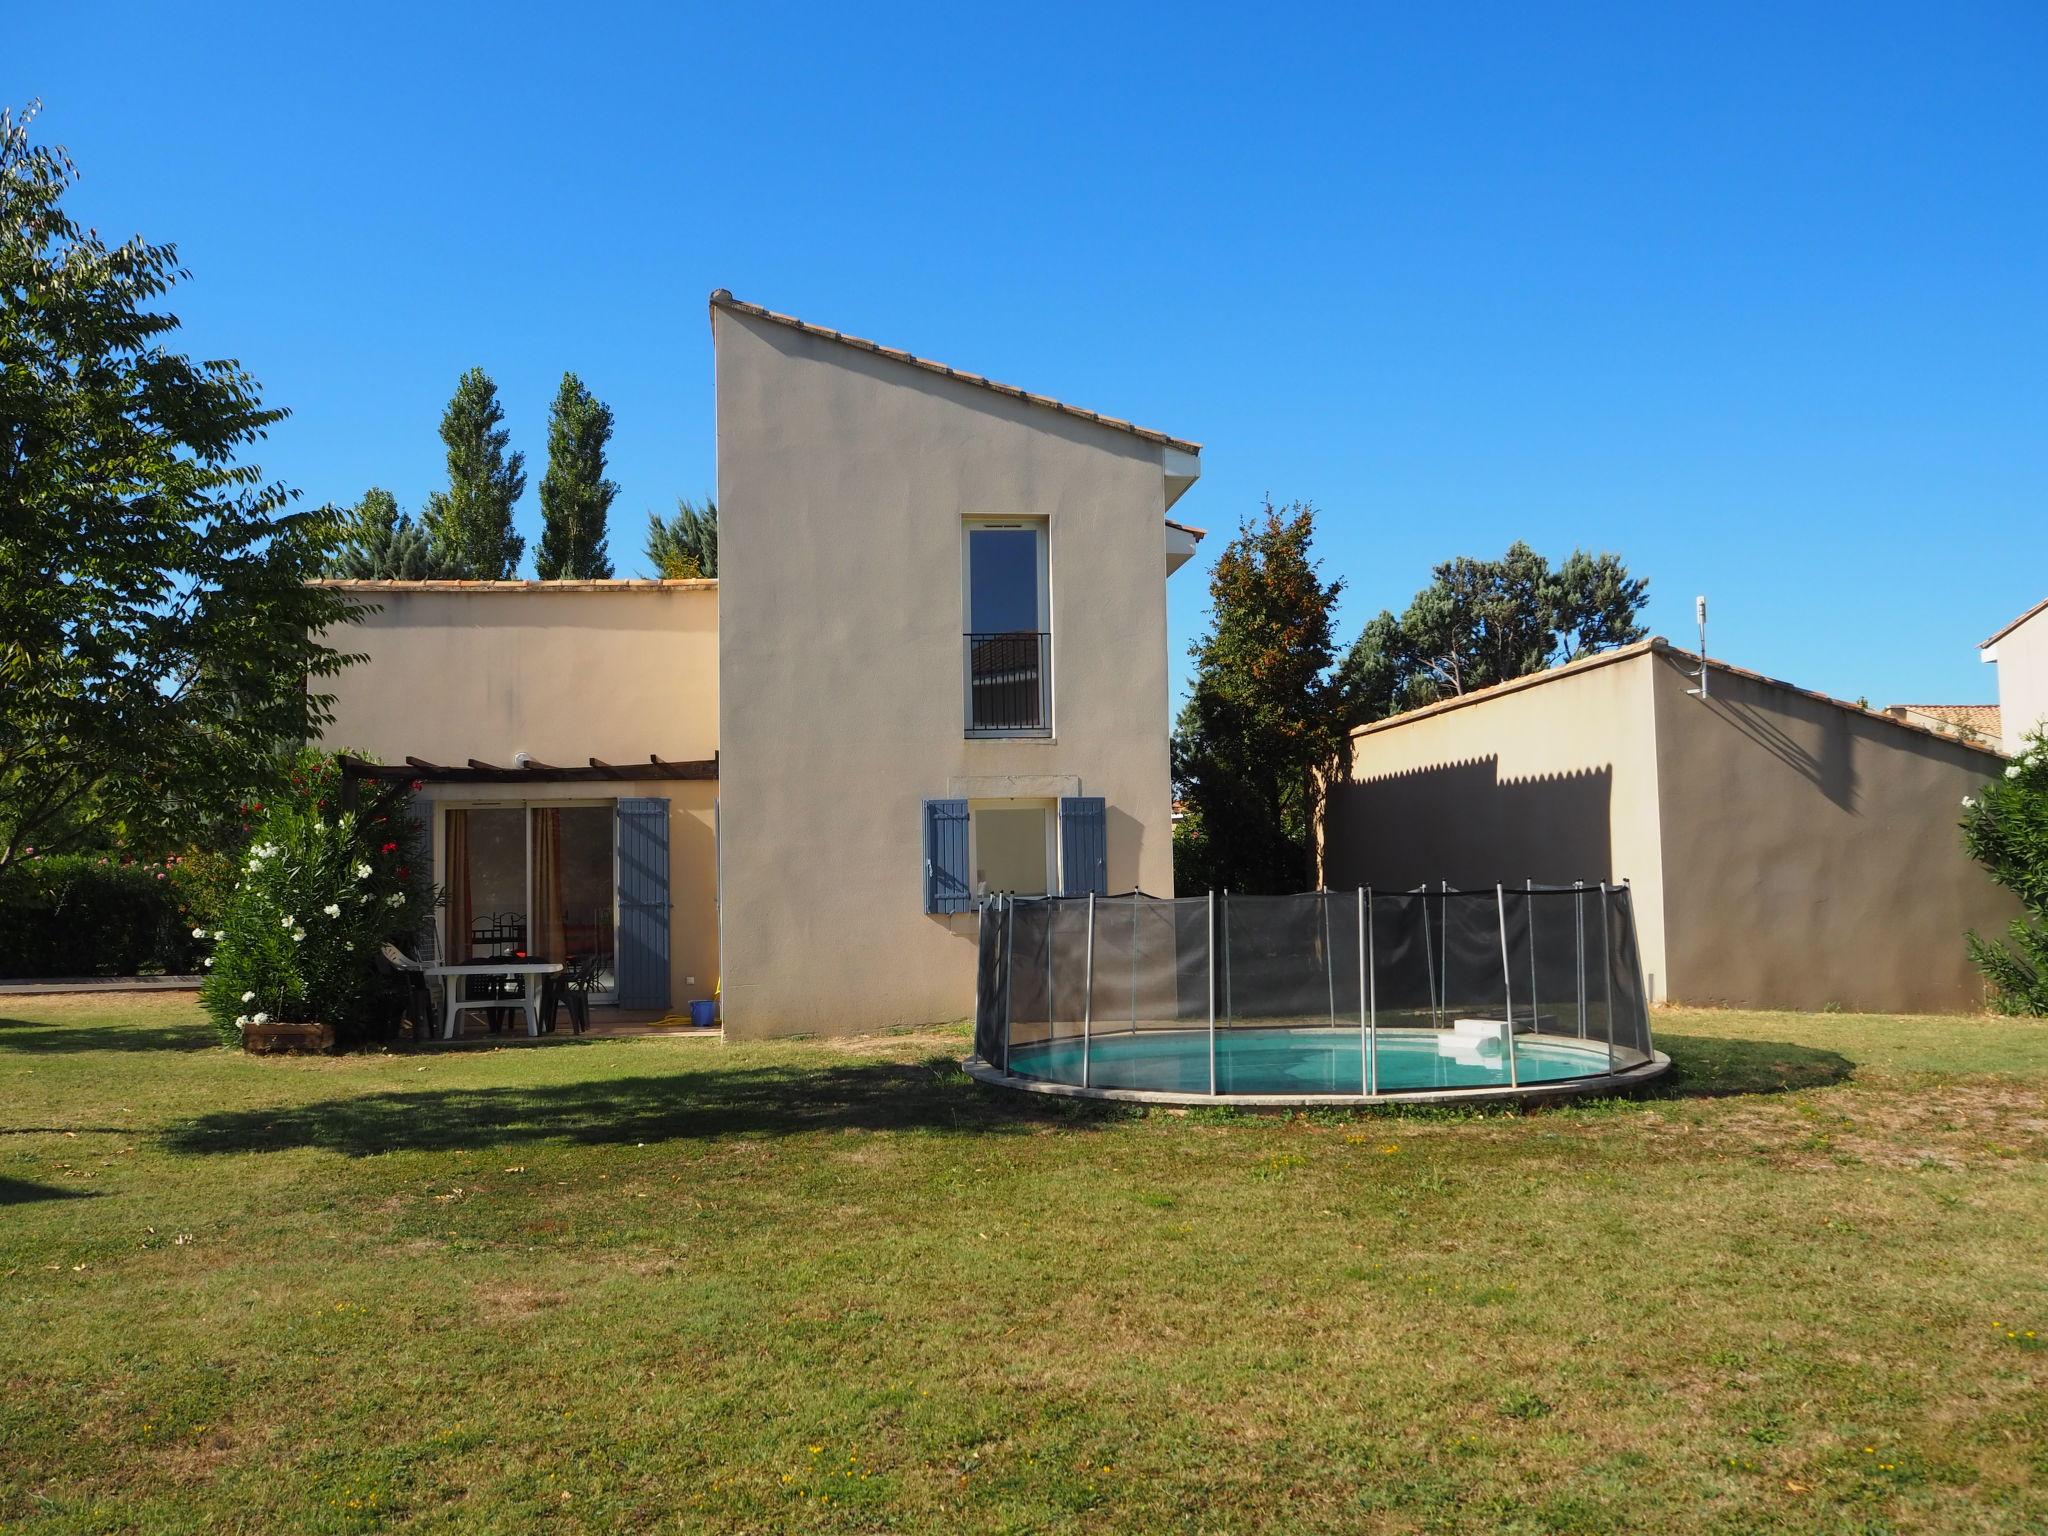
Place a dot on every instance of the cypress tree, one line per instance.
(575, 496)
(381, 543)
(470, 523)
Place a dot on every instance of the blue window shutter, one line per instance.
(946, 887)
(1084, 846)
(643, 904)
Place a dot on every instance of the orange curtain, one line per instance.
(547, 940)
(458, 886)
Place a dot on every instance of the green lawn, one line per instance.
(674, 1285)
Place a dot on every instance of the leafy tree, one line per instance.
(1481, 622)
(2005, 828)
(1266, 717)
(575, 496)
(470, 523)
(157, 634)
(380, 543)
(687, 544)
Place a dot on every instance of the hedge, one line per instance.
(93, 915)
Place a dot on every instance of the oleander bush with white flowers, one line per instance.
(2005, 828)
(319, 890)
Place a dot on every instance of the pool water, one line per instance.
(1307, 1061)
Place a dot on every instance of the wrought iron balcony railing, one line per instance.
(1009, 683)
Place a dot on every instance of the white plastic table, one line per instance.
(529, 973)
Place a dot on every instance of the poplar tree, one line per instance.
(575, 496)
(470, 523)
(381, 543)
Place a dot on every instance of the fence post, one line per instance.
(1500, 907)
(1212, 991)
(1607, 977)
(1443, 951)
(1366, 985)
(1088, 991)
(1579, 922)
(1052, 927)
(1009, 974)
(1428, 954)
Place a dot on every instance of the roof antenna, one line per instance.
(1699, 610)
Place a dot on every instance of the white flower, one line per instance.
(241, 1021)
(395, 899)
(248, 997)
(198, 933)
(1968, 802)
(362, 871)
(208, 962)
(298, 935)
(219, 934)
(261, 1018)
(332, 909)
(350, 946)
(2012, 770)
(291, 922)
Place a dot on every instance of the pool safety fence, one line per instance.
(1347, 993)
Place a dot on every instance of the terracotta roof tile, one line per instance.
(722, 299)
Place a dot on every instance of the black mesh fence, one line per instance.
(1326, 992)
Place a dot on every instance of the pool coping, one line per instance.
(1560, 1088)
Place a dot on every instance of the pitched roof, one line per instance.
(1659, 645)
(2015, 624)
(722, 299)
(1982, 718)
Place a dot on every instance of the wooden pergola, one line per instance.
(418, 769)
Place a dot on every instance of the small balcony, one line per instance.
(1009, 683)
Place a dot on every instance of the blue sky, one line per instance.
(1753, 295)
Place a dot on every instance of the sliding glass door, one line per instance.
(535, 880)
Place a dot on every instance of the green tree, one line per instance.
(687, 544)
(1266, 717)
(380, 543)
(157, 634)
(575, 496)
(470, 523)
(1481, 622)
(2005, 828)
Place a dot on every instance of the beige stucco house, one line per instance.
(2020, 651)
(933, 665)
(1785, 849)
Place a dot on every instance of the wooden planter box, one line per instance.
(269, 1039)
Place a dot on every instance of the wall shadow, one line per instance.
(1709, 1067)
(40, 1037)
(1464, 823)
(931, 1094)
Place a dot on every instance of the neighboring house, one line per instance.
(2021, 652)
(1972, 722)
(933, 666)
(1785, 849)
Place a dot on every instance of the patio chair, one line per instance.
(569, 988)
(418, 998)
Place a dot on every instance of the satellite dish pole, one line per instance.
(1699, 609)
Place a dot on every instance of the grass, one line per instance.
(673, 1285)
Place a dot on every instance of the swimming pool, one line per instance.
(1328, 995)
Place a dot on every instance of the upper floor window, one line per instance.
(1008, 638)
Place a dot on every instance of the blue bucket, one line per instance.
(703, 1013)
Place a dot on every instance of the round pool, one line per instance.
(1318, 1064)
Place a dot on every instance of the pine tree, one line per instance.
(575, 496)
(686, 544)
(470, 523)
(381, 543)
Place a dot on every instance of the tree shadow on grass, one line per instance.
(931, 1094)
(1710, 1066)
(22, 1192)
(40, 1037)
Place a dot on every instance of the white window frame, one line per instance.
(1047, 693)
(526, 807)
